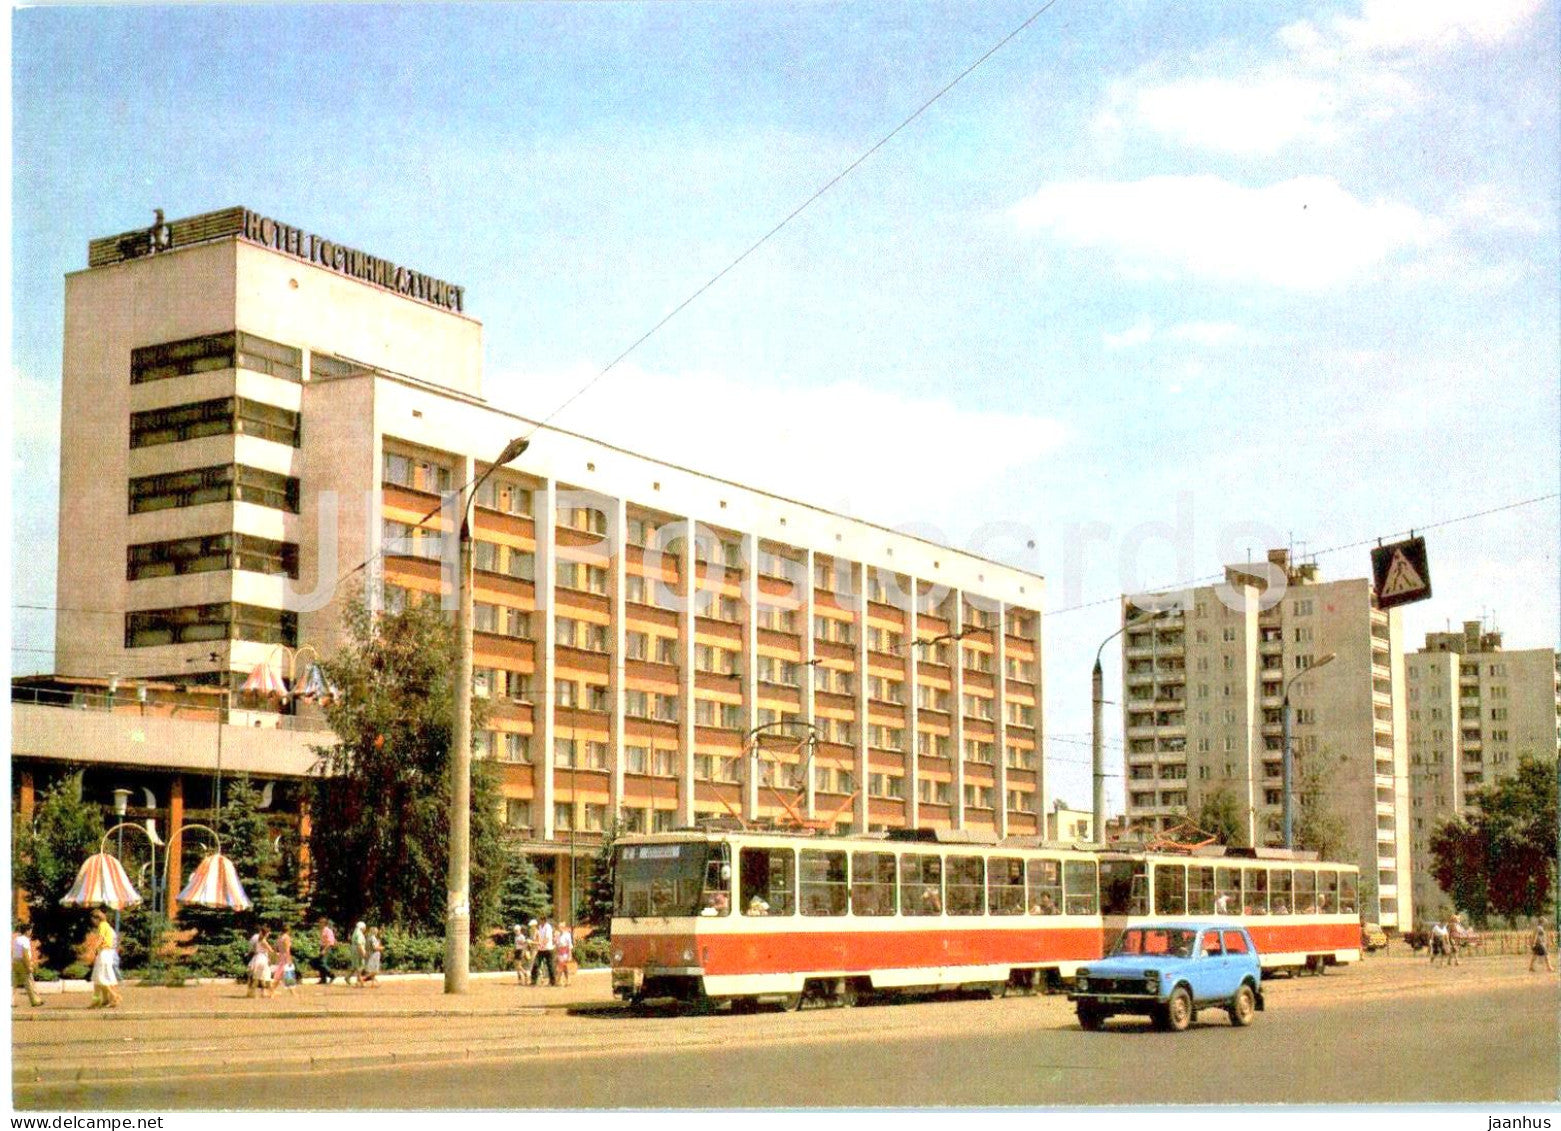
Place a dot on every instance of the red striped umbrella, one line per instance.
(215, 883)
(102, 882)
(265, 681)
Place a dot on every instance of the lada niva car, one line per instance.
(1169, 971)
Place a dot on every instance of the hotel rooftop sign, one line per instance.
(266, 232)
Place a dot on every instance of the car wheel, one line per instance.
(1091, 1017)
(1176, 1013)
(1243, 1006)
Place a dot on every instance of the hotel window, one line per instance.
(885, 690)
(486, 744)
(978, 707)
(834, 630)
(977, 660)
(595, 755)
(841, 731)
(570, 633)
(224, 621)
(932, 698)
(220, 417)
(566, 693)
(642, 531)
(504, 496)
(225, 483)
(833, 680)
(772, 669)
(885, 640)
(929, 745)
(493, 557)
(978, 751)
(593, 817)
(597, 697)
(517, 813)
(636, 645)
(725, 608)
(776, 619)
(517, 747)
(665, 708)
(634, 587)
(564, 815)
(933, 792)
(232, 350)
(636, 704)
(588, 519)
(1020, 669)
(776, 565)
(417, 474)
(978, 796)
(403, 540)
(1019, 758)
(663, 820)
(664, 763)
(666, 650)
(885, 785)
(1018, 801)
(214, 552)
(1021, 714)
(636, 759)
(579, 575)
(886, 738)
(500, 620)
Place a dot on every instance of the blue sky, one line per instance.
(1259, 272)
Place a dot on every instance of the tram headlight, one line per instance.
(688, 955)
(617, 956)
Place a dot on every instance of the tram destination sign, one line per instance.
(1401, 573)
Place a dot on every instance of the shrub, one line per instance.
(594, 951)
(76, 972)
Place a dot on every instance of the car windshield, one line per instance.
(1155, 940)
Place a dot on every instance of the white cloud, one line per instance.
(1206, 333)
(899, 457)
(1241, 116)
(1389, 26)
(1137, 335)
(1305, 233)
(1486, 207)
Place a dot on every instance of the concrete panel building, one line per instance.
(1203, 689)
(1474, 708)
(257, 421)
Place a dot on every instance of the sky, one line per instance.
(1153, 288)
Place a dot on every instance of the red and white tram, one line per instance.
(742, 916)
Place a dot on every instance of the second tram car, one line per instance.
(707, 916)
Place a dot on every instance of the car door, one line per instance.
(1239, 956)
(1212, 981)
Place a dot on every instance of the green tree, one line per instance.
(380, 840)
(1220, 815)
(45, 857)
(1317, 826)
(523, 896)
(597, 911)
(1499, 859)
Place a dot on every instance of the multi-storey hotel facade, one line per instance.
(1203, 690)
(258, 423)
(1474, 710)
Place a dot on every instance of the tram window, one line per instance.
(1328, 892)
(1200, 890)
(1170, 889)
(1124, 887)
(1305, 891)
(1045, 887)
(1256, 898)
(1235, 942)
(921, 884)
(1347, 893)
(1079, 876)
(717, 896)
(767, 881)
(966, 885)
(824, 888)
(872, 883)
(1005, 885)
(1227, 886)
(1281, 895)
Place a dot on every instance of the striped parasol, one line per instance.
(316, 687)
(215, 883)
(264, 681)
(102, 882)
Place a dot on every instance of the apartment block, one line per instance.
(257, 422)
(1474, 708)
(1203, 690)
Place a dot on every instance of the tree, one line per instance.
(45, 858)
(381, 807)
(1317, 826)
(1220, 814)
(523, 896)
(597, 911)
(1499, 858)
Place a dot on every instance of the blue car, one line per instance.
(1169, 971)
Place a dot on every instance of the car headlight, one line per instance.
(1081, 983)
(1152, 981)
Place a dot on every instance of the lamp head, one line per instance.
(121, 800)
(512, 451)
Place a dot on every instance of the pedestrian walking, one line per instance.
(545, 945)
(286, 974)
(322, 962)
(1439, 940)
(103, 946)
(1540, 945)
(24, 965)
(522, 956)
(371, 965)
(359, 946)
(260, 958)
(564, 951)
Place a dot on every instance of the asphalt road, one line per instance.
(1348, 1038)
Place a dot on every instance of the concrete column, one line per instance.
(545, 520)
(686, 570)
(618, 532)
(1000, 729)
(750, 668)
(912, 660)
(810, 669)
(957, 741)
(859, 610)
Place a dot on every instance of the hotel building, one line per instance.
(251, 413)
(1474, 709)
(1203, 689)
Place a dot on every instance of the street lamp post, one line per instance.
(458, 911)
(121, 803)
(1289, 760)
(1096, 741)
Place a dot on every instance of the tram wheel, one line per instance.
(791, 1003)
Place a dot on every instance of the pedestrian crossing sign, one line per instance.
(1401, 573)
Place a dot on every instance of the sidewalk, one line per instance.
(398, 995)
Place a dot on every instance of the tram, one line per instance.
(707, 916)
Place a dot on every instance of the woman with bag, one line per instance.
(1540, 947)
(285, 974)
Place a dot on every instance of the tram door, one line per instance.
(1124, 893)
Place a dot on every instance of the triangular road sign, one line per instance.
(1402, 578)
(1401, 573)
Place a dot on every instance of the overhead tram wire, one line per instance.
(755, 246)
